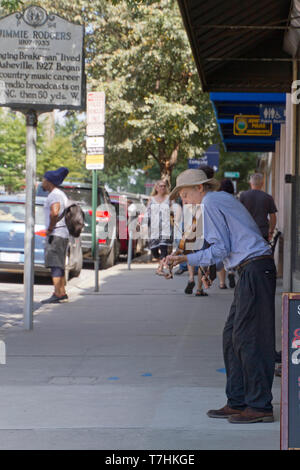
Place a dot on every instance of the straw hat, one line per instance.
(192, 177)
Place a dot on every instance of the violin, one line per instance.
(208, 273)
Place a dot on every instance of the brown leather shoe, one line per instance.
(249, 415)
(224, 412)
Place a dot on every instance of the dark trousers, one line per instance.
(249, 338)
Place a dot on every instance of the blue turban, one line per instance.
(56, 177)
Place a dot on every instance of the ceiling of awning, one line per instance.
(238, 44)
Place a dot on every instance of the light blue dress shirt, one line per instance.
(230, 230)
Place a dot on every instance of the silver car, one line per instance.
(12, 231)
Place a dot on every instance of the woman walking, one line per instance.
(160, 221)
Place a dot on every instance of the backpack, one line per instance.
(74, 218)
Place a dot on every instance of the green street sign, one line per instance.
(232, 174)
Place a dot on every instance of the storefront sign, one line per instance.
(41, 61)
(290, 397)
(251, 126)
(211, 158)
(272, 114)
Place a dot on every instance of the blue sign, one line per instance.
(210, 158)
(272, 114)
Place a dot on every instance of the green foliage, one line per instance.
(245, 163)
(12, 151)
(157, 116)
(138, 53)
(9, 6)
(64, 149)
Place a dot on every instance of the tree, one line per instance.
(62, 150)
(12, 151)
(140, 56)
(156, 113)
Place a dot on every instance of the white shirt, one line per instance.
(55, 196)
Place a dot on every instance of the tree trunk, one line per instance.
(167, 165)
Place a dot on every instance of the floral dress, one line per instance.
(160, 223)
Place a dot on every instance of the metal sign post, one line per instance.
(42, 69)
(95, 117)
(95, 249)
(31, 133)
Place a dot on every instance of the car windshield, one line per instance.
(82, 195)
(76, 193)
(15, 212)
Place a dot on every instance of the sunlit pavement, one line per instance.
(134, 366)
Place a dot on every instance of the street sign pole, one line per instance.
(94, 229)
(47, 78)
(95, 117)
(31, 134)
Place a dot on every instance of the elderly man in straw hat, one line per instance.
(249, 332)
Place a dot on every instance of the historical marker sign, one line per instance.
(41, 61)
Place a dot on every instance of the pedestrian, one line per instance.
(261, 206)
(249, 332)
(160, 213)
(192, 270)
(227, 186)
(57, 233)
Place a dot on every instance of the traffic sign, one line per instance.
(95, 113)
(251, 125)
(272, 114)
(232, 174)
(94, 162)
(95, 145)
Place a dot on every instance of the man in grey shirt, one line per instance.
(261, 206)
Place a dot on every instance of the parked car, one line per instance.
(122, 201)
(105, 219)
(12, 230)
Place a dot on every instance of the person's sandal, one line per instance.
(201, 293)
(189, 288)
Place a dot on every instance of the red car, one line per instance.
(122, 201)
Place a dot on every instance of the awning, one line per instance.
(229, 105)
(238, 45)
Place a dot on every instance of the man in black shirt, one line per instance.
(261, 206)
